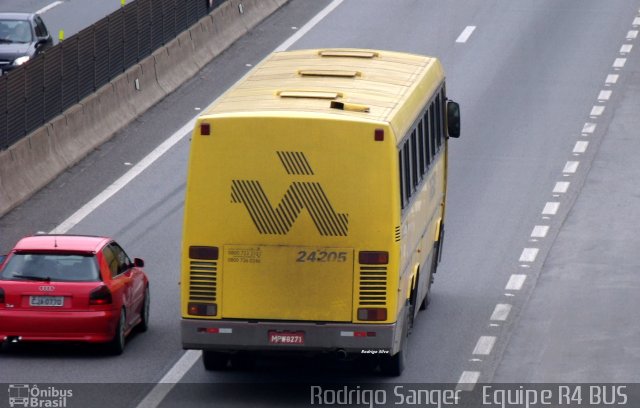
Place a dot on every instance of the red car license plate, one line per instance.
(286, 337)
(57, 301)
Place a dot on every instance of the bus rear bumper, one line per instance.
(233, 335)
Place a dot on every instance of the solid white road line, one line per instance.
(125, 179)
(49, 7)
(465, 34)
(307, 27)
(173, 376)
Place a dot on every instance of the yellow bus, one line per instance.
(314, 209)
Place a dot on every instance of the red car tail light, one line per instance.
(1, 295)
(100, 296)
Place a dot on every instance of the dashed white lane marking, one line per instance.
(611, 79)
(604, 95)
(501, 312)
(619, 63)
(551, 208)
(589, 127)
(632, 35)
(540, 231)
(581, 146)
(515, 281)
(571, 167)
(636, 21)
(561, 187)
(529, 255)
(465, 34)
(626, 48)
(49, 7)
(468, 380)
(597, 110)
(484, 345)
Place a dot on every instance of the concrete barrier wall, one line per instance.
(37, 159)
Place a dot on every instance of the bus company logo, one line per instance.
(31, 396)
(300, 195)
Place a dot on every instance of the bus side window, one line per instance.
(407, 172)
(415, 174)
(401, 174)
(432, 131)
(427, 148)
(421, 149)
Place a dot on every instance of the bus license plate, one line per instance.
(56, 301)
(286, 337)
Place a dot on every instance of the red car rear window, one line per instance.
(63, 267)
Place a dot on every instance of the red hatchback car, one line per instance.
(72, 288)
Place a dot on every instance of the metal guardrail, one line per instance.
(33, 94)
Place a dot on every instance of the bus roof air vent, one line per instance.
(331, 73)
(353, 107)
(348, 53)
(310, 94)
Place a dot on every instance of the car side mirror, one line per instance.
(138, 263)
(453, 119)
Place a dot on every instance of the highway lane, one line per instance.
(525, 78)
(71, 16)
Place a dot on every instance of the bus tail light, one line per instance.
(203, 309)
(203, 252)
(100, 296)
(378, 135)
(373, 257)
(205, 129)
(372, 314)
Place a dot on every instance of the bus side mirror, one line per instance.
(453, 119)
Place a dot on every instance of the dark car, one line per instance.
(22, 37)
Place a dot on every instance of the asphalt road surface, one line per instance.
(538, 281)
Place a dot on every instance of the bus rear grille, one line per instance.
(203, 281)
(373, 286)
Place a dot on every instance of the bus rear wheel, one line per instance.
(393, 366)
(215, 360)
